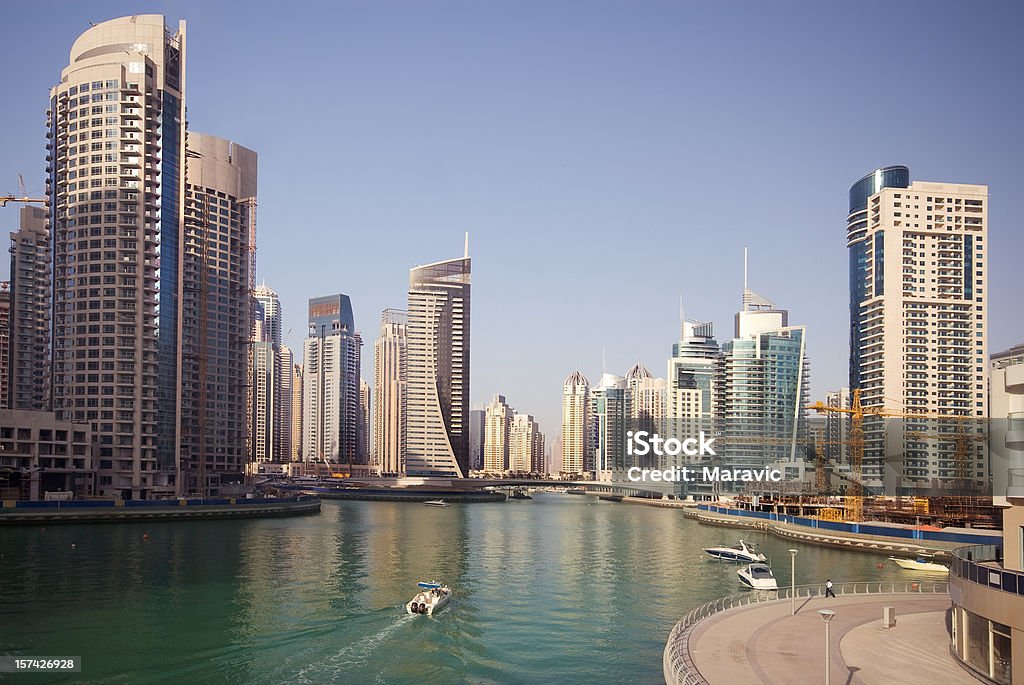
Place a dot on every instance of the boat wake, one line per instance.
(357, 653)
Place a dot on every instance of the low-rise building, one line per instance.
(40, 453)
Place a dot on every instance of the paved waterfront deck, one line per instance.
(763, 643)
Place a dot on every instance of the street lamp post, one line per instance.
(827, 615)
(792, 580)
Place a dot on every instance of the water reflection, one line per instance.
(559, 588)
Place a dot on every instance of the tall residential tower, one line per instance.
(918, 324)
(437, 442)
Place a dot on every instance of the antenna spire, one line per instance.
(466, 251)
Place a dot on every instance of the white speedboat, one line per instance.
(431, 597)
(742, 552)
(757, 577)
(920, 564)
(436, 503)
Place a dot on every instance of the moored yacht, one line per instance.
(436, 503)
(742, 552)
(757, 577)
(431, 597)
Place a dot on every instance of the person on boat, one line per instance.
(828, 588)
(423, 608)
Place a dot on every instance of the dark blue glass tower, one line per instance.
(856, 232)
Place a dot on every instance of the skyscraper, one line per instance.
(363, 436)
(575, 423)
(267, 428)
(918, 322)
(390, 355)
(763, 379)
(331, 377)
(5, 344)
(116, 156)
(692, 394)
(611, 406)
(284, 405)
(497, 424)
(29, 362)
(270, 305)
(837, 427)
(215, 311)
(477, 418)
(525, 445)
(437, 420)
(647, 406)
(296, 400)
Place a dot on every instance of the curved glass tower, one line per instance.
(438, 386)
(856, 240)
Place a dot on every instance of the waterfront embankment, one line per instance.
(15, 512)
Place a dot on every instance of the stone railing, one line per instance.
(677, 661)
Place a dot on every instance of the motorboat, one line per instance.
(920, 564)
(742, 552)
(436, 503)
(757, 577)
(520, 494)
(430, 598)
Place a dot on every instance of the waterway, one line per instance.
(561, 588)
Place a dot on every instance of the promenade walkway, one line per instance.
(764, 643)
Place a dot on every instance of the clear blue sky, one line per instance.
(605, 157)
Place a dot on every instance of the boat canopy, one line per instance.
(429, 586)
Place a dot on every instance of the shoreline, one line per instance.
(111, 511)
(858, 542)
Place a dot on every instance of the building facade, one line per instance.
(390, 355)
(611, 409)
(330, 402)
(215, 313)
(363, 436)
(296, 400)
(477, 419)
(116, 158)
(437, 437)
(497, 425)
(29, 350)
(525, 445)
(284, 404)
(42, 453)
(576, 446)
(918, 325)
(763, 384)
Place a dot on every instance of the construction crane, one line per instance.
(4, 199)
(855, 495)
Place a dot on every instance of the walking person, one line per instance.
(828, 588)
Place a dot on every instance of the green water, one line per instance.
(562, 589)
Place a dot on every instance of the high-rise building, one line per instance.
(576, 447)
(647, 408)
(477, 418)
(331, 377)
(525, 445)
(692, 393)
(266, 380)
(763, 387)
(215, 310)
(437, 442)
(497, 424)
(363, 436)
(5, 343)
(389, 386)
(611, 409)
(837, 428)
(284, 405)
(29, 362)
(270, 305)
(918, 323)
(296, 400)
(116, 158)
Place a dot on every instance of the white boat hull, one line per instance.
(761, 580)
(915, 565)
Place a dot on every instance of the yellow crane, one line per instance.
(4, 199)
(855, 495)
